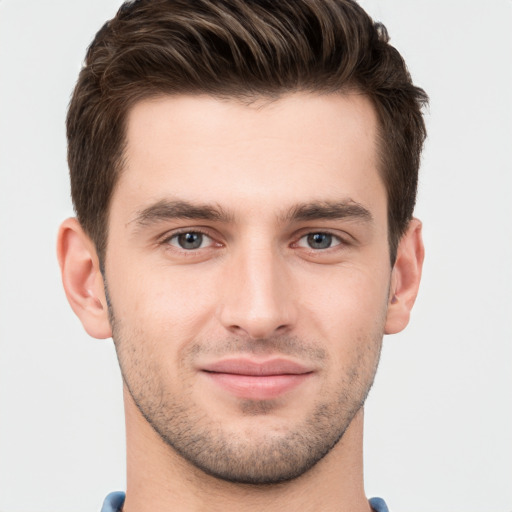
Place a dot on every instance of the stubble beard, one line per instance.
(255, 457)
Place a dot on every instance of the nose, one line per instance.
(258, 300)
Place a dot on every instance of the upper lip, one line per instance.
(241, 366)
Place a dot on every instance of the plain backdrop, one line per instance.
(439, 418)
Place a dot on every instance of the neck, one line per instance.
(160, 479)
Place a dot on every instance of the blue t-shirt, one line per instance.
(114, 501)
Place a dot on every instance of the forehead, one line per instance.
(300, 147)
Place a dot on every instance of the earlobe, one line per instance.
(405, 278)
(82, 279)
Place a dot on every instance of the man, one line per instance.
(244, 175)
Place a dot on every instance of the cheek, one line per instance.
(161, 301)
(349, 295)
(357, 321)
(348, 311)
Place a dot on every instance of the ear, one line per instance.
(82, 279)
(405, 278)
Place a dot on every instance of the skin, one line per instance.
(285, 201)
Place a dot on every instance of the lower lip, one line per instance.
(258, 387)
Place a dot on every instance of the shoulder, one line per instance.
(113, 502)
(378, 505)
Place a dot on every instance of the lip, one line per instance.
(257, 380)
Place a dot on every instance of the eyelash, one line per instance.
(166, 241)
(168, 237)
(334, 238)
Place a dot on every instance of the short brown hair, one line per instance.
(240, 49)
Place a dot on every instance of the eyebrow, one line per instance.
(164, 210)
(167, 210)
(327, 210)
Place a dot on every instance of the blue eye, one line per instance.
(319, 241)
(190, 240)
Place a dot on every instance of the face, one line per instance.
(248, 274)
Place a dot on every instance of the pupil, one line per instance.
(190, 240)
(320, 240)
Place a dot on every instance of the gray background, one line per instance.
(439, 419)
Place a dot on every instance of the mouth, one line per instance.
(257, 380)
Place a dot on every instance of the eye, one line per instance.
(318, 241)
(190, 240)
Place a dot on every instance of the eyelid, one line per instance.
(206, 241)
(343, 237)
(335, 238)
(168, 235)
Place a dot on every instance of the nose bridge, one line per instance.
(257, 302)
